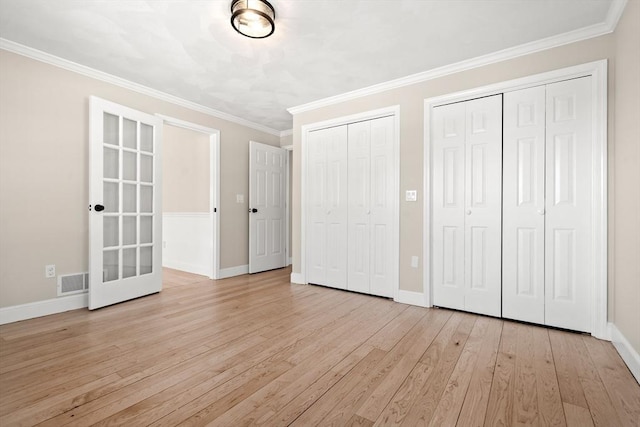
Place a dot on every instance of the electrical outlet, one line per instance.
(239, 198)
(411, 195)
(414, 261)
(50, 271)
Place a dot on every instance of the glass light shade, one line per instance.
(253, 18)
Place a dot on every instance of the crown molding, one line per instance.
(615, 11)
(47, 58)
(286, 133)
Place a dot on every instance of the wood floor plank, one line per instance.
(258, 350)
(474, 407)
(501, 399)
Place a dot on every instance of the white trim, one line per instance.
(298, 278)
(615, 13)
(596, 30)
(598, 71)
(287, 132)
(238, 270)
(288, 147)
(628, 354)
(214, 185)
(411, 298)
(32, 310)
(185, 266)
(186, 214)
(339, 121)
(47, 58)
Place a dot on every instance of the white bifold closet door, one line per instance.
(467, 205)
(547, 204)
(371, 215)
(327, 207)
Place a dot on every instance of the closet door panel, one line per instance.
(568, 204)
(483, 206)
(337, 208)
(523, 205)
(448, 205)
(316, 199)
(359, 171)
(381, 212)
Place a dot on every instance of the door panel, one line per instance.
(523, 205)
(327, 245)
(483, 201)
(267, 168)
(568, 207)
(448, 205)
(124, 238)
(381, 212)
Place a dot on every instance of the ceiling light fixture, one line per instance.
(253, 18)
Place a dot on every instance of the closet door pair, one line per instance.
(467, 205)
(351, 207)
(547, 204)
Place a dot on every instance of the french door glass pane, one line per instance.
(146, 199)
(129, 133)
(146, 168)
(111, 197)
(110, 265)
(129, 198)
(146, 138)
(110, 163)
(110, 129)
(110, 231)
(128, 262)
(129, 230)
(129, 166)
(145, 260)
(146, 229)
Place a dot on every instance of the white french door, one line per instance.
(267, 207)
(467, 202)
(125, 188)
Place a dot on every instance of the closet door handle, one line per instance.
(540, 211)
(468, 211)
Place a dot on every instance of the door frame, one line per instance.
(214, 184)
(597, 70)
(289, 149)
(339, 121)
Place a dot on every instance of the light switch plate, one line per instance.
(411, 196)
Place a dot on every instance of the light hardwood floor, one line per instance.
(257, 350)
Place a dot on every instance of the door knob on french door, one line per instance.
(98, 208)
(254, 210)
(468, 211)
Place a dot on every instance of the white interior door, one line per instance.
(569, 203)
(483, 202)
(326, 246)
(267, 207)
(467, 204)
(523, 205)
(449, 133)
(125, 191)
(382, 250)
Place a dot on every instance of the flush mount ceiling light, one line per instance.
(253, 18)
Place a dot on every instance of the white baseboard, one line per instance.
(31, 310)
(189, 268)
(411, 298)
(626, 351)
(297, 278)
(238, 270)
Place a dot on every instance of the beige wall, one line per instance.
(626, 177)
(44, 115)
(624, 166)
(185, 170)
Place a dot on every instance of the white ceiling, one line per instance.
(320, 48)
